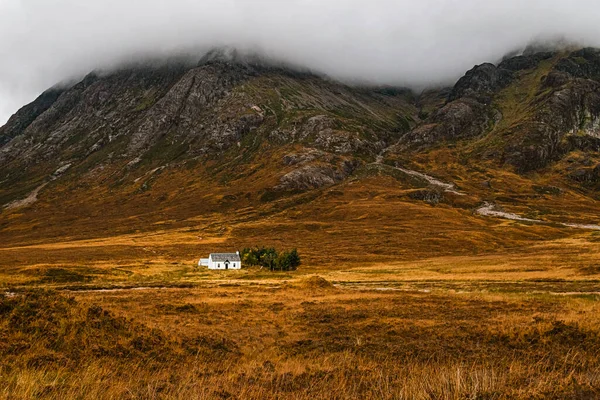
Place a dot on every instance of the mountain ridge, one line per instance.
(125, 150)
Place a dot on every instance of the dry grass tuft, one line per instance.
(316, 282)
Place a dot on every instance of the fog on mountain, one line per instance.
(409, 43)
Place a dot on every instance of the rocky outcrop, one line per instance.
(310, 177)
(327, 134)
(565, 120)
(587, 176)
(468, 112)
(431, 196)
(314, 169)
(305, 157)
(302, 128)
(26, 115)
(464, 118)
(584, 63)
(522, 62)
(481, 83)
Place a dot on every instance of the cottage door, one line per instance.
(226, 264)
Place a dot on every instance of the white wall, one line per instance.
(221, 265)
(204, 262)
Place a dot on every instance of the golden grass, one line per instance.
(264, 342)
(419, 301)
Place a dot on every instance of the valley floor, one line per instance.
(124, 317)
(394, 300)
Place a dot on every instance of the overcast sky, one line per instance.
(406, 42)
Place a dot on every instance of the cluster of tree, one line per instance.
(270, 258)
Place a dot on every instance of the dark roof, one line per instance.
(225, 257)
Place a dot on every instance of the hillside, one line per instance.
(242, 151)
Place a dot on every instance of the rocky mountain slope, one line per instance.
(534, 109)
(144, 117)
(175, 141)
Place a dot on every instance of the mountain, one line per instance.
(247, 150)
(527, 112)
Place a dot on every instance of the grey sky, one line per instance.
(407, 42)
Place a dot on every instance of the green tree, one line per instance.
(268, 258)
(294, 259)
(249, 256)
(283, 263)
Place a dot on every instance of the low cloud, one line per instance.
(398, 42)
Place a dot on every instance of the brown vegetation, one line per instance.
(396, 298)
(267, 341)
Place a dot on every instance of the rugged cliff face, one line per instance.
(181, 139)
(147, 117)
(529, 111)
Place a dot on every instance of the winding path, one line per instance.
(487, 209)
(445, 186)
(490, 210)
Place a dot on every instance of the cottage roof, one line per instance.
(225, 257)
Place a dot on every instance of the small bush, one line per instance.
(270, 258)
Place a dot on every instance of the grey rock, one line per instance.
(305, 157)
(309, 177)
(480, 82)
(430, 196)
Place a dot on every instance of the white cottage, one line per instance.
(222, 261)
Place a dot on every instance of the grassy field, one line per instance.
(395, 299)
(300, 338)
